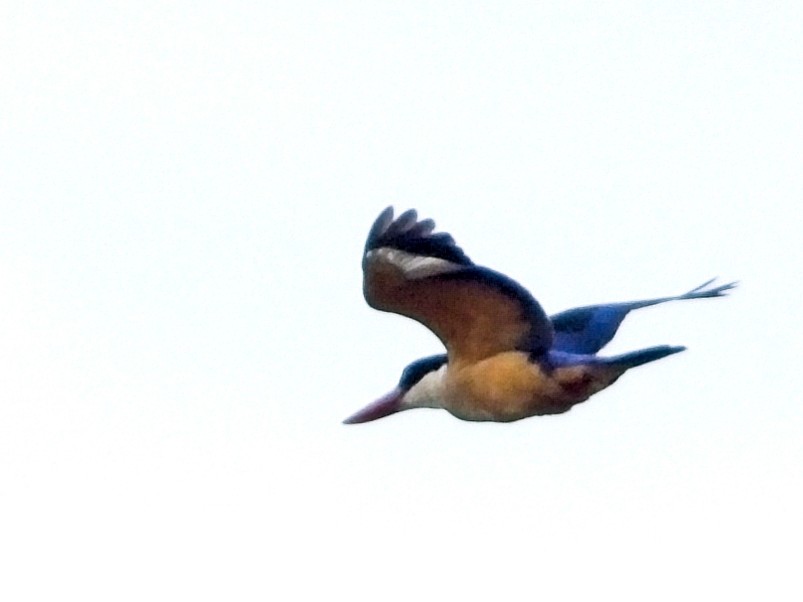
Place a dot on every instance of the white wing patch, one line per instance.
(413, 266)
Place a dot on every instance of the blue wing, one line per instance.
(588, 329)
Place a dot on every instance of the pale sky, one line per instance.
(186, 188)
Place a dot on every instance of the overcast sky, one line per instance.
(186, 188)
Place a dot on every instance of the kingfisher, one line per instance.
(505, 359)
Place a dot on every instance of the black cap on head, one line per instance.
(419, 369)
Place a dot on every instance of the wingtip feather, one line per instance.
(407, 233)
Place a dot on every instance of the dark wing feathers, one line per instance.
(379, 227)
(422, 228)
(408, 234)
(475, 311)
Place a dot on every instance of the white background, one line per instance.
(185, 192)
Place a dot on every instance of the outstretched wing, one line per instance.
(474, 311)
(588, 329)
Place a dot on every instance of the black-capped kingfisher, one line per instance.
(505, 358)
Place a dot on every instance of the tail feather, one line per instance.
(588, 329)
(642, 356)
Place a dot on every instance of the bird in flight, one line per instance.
(505, 358)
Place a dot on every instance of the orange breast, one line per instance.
(509, 386)
(505, 387)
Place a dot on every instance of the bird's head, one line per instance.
(420, 386)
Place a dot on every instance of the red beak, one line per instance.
(384, 406)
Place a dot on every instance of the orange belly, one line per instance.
(509, 386)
